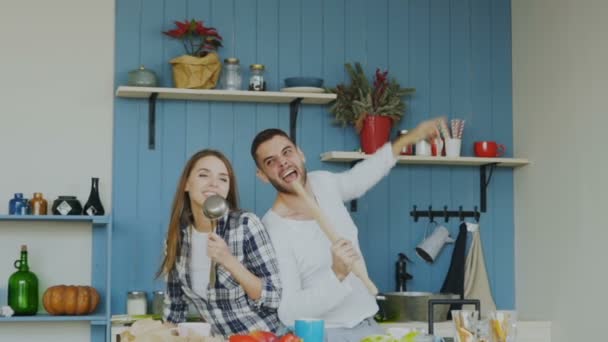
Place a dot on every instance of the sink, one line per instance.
(412, 306)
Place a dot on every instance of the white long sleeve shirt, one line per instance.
(310, 287)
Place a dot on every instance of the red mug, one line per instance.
(489, 149)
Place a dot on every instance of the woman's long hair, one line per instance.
(181, 212)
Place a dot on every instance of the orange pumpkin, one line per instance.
(70, 300)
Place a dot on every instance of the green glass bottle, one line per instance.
(23, 288)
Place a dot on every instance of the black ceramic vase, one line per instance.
(67, 205)
(93, 206)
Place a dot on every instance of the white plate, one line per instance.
(303, 90)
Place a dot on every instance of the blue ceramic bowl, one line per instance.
(304, 82)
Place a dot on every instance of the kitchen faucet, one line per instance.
(401, 272)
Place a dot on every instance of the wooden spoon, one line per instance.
(358, 268)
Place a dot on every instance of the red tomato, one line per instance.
(242, 338)
(264, 336)
(290, 338)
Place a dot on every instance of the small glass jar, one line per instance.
(406, 150)
(158, 302)
(256, 81)
(38, 204)
(136, 303)
(231, 74)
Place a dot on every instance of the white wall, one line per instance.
(560, 92)
(56, 95)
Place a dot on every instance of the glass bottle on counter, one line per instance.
(23, 288)
(231, 74)
(256, 81)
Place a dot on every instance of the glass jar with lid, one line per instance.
(231, 74)
(137, 303)
(256, 81)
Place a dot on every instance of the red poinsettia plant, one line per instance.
(198, 39)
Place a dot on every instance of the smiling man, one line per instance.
(316, 274)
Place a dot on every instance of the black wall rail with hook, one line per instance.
(445, 213)
(484, 181)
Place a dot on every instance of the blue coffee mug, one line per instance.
(310, 330)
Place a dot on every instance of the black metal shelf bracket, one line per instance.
(152, 120)
(294, 107)
(483, 184)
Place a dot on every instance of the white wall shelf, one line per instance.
(223, 95)
(483, 163)
(348, 157)
(153, 94)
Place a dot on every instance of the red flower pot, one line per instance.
(375, 132)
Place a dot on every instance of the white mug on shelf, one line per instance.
(452, 147)
(423, 148)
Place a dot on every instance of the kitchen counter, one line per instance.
(527, 331)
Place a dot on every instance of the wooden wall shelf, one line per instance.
(154, 94)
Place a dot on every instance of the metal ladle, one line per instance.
(215, 207)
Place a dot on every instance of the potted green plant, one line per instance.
(371, 108)
(200, 67)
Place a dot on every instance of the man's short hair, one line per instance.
(263, 137)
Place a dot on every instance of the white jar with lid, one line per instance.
(231, 74)
(136, 303)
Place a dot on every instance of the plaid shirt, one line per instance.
(227, 306)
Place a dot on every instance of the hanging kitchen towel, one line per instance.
(476, 284)
(454, 280)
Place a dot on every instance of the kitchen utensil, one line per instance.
(432, 245)
(358, 267)
(215, 206)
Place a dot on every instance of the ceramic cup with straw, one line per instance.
(215, 207)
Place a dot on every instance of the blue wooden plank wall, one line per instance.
(456, 53)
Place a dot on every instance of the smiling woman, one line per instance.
(229, 275)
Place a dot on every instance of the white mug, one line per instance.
(452, 147)
(194, 329)
(423, 148)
